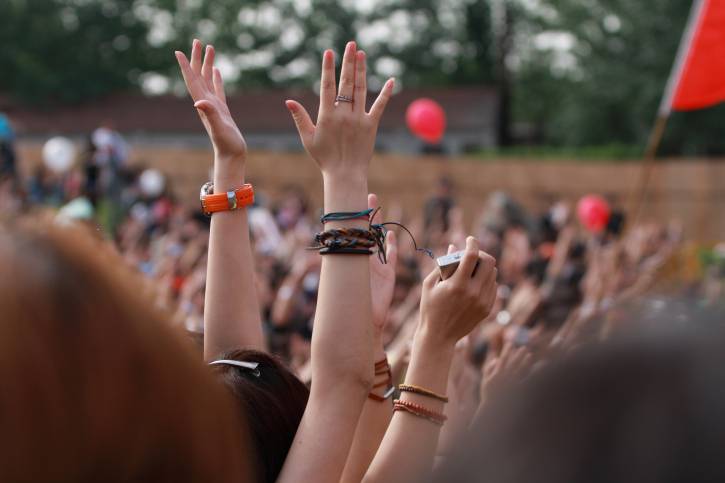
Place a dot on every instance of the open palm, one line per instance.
(204, 83)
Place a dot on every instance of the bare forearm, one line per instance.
(231, 311)
(374, 421)
(409, 446)
(344, 307)
(342, 352)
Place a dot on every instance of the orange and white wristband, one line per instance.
(229, 201)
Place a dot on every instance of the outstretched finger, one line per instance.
(207, 68)
(376, 112)
(303, 122)
(347, 73)
(196, 56)
(186, 71)
(372, 201)
(219, 85)
(327, 83)
(361, 84)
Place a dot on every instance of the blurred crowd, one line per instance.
(558, 283)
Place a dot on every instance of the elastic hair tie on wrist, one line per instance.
(343, 216)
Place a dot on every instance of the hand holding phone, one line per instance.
(447, 264)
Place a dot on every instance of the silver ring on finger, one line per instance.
(341, 98)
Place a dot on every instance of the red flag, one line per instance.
(698, 78)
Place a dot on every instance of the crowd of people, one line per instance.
(325, 365)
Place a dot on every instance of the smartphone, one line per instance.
(447, 264)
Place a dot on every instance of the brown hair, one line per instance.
(273, 400)
(644, 408)
(96, 385)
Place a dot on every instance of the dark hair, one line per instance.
(272, 400)
(644, 409)
(96, 384)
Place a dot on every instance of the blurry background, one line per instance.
(544, 98)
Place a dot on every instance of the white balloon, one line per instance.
(152, 182)
(59, 153)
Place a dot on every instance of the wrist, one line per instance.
(431, 340)
(345, 193)
(229, 168)
(345, 176)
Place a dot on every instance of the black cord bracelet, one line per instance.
(345, 251)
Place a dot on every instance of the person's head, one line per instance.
(271, 399)
(96, 385)
(643, 409)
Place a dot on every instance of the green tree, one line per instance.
(67, 51)
(279, 42)
(605, 86)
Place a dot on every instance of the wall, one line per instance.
(692, 191)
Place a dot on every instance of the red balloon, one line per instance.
(427, 120)
(594, 212)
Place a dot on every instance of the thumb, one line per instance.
(391, 248)
(208, 110)
(302, 120)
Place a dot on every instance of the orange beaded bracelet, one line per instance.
(419, 411)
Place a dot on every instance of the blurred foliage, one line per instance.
(68, 50)
(608, 85)
(602, 88)
(280, 42)
(65, 51)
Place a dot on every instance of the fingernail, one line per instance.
(290, 105)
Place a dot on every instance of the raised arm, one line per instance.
(378, 409)
(231, 310)
(342, 144)
(449, 310)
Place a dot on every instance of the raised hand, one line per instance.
(206, 87)
(513, 363)
(231, 309)
(382, 276)
(451, 308)
(344, 137)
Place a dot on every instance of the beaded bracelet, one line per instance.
(419, 411)
(422, 391)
